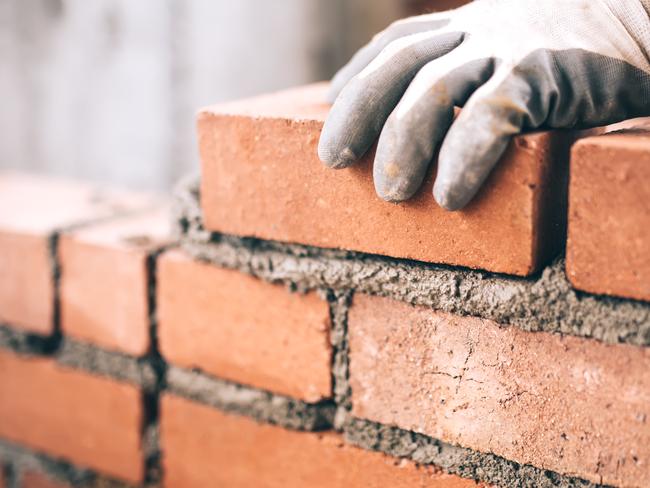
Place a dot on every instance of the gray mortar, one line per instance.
(339, 305)
(260, 405)
(24, 342)
(456, 460)
(111, 364)
(546, 302)
(18, 460)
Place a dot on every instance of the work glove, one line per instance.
(514, 65)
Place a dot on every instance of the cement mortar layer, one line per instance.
(260, 405)
(82, 356)
(111, 364)
(16, 461)
(339, 305)
(455, 460)
(546, 302)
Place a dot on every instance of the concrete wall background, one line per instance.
(107, 89)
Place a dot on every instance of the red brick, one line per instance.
(104, 280)
(33, 479)
(608, 249)
(262, 178)
(242, 329)
(31, 209)
(90, 421)
(571, 405)
(205, 447)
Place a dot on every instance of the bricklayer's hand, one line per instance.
(514, 65)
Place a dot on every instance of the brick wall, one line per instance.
(241, 336)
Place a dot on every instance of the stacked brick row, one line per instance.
(123, 362)
(539, 380)
(295, 330)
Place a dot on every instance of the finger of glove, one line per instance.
(479, 136)
(420, 121)
(370, 51)
(360, 111)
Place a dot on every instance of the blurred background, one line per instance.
(107, 90)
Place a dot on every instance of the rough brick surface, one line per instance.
(87, 420)
(33, 479)
(608, 250)
(546, 303)
(205, 447)
(104, 280)
(31, 209)
(26, 284)
(243, 329)
(570, 405)
(262, 178)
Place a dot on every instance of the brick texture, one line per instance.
(242, 329)
(33, 479)
(31, 209)
(90, 421)
(104, 280)
(572, 405)
(205, 447)
(608, 249)
(262, 178)
(26, 283)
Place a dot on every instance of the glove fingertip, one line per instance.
(336, 159)
(449, 199)
(332, 92)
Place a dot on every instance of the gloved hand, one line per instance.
(514, 65)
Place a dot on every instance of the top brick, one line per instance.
(608, 250)
(32, 209)
(33, 204)
(262, 178)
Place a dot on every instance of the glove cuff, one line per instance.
(635, 16)
(646, 6)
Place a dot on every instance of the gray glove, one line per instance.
(514, 65)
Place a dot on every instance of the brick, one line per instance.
(242, 329)
(575, 406)
(32, 208)
(89, 421)
(262, 178)
(34, 479)
(206, 447)
(104, 280)
(608, 248)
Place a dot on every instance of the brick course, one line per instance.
(243, 329)
(571, 405)
(32, 209)
(261, 177)
(205, 447)
(248, 368)
(90, 421)
(105, 282)
(608, 249)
